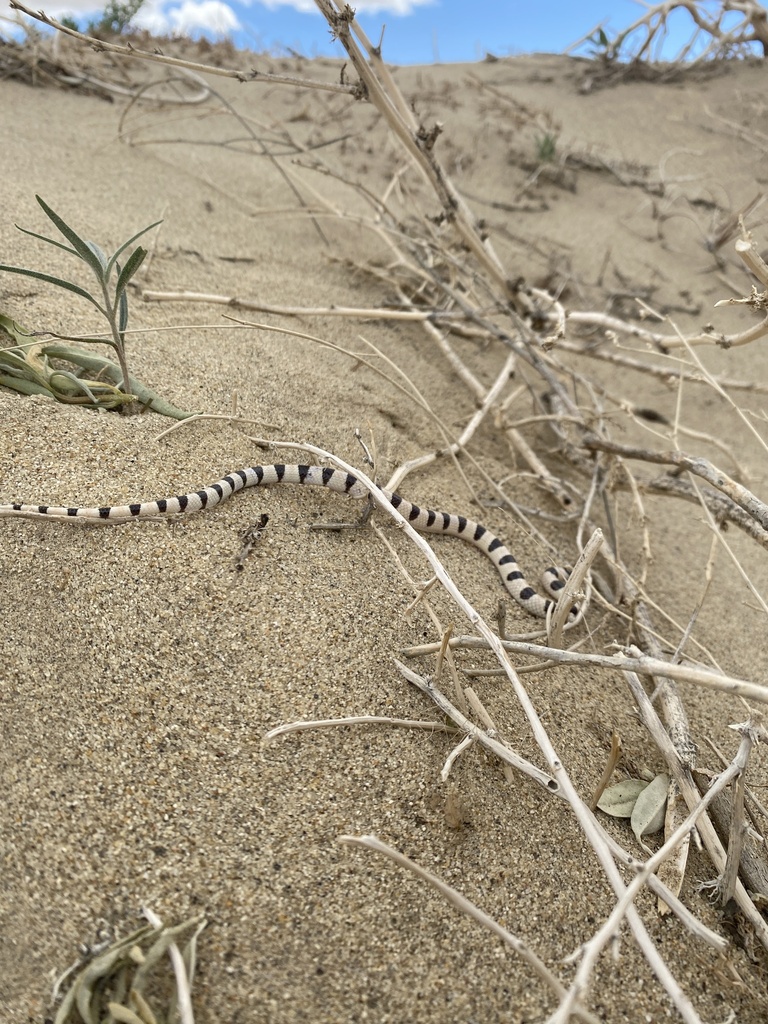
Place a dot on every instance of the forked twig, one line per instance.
(701, 467)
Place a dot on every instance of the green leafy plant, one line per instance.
(27, 367)
(114, 301)
(114, 20)
(599, 45)
(116, 17)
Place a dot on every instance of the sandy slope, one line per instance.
(140, 672)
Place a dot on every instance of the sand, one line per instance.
(141, 671)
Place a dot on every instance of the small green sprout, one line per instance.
(546, 147)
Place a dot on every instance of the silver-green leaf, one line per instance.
(648, 812)
(619, 800)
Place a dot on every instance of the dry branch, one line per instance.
(721, 508)
(637, 41)
(633, 660)
(690, 794)
(418, 142)
(701, 467)
(372, 313)
(668, 342)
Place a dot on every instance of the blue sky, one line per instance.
(425, 31)
(417, 31)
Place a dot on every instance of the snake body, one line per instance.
(424, 520)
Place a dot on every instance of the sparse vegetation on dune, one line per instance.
(719, 30)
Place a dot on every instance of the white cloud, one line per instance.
(361, 6)
(72, 7)
(191, 18)
(207, 15)
(393, 6)
(213, 17)
(305, 6)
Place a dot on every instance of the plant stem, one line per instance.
(118, 343)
